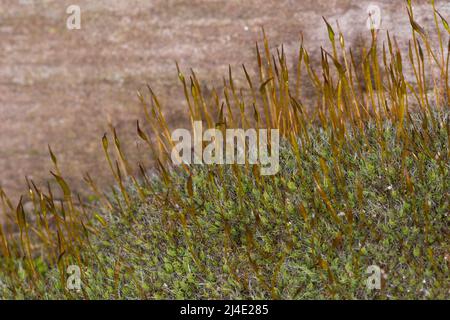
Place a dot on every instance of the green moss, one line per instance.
(285, 254)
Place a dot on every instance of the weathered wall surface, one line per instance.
(60, 87)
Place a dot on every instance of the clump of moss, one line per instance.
(274, 237)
